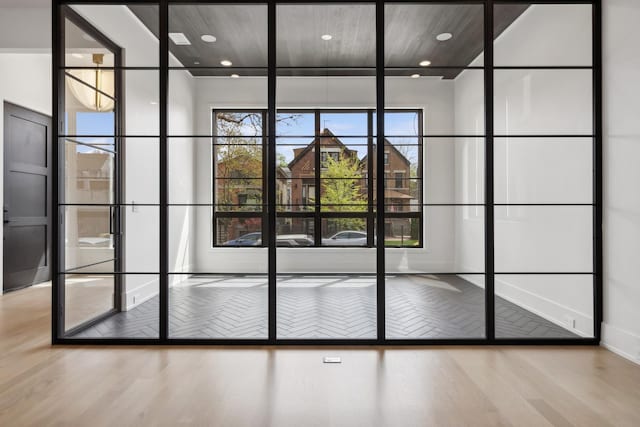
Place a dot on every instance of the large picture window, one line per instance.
(324, 194)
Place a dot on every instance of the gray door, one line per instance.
(27, 188)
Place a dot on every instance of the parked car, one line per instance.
(249, 239)
(346, 238)
(294, 240)
(282, 240)
(95, 242)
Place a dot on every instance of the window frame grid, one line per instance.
(57, 325)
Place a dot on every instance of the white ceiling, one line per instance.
(26, 28)
(25, 3)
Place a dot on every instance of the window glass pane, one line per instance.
(402, 124)
(344, 124)
(300, 227)
(238, 195)
(80, 47)
(543, 170)
(544, 306)
(402, 232)
(454, 170)
(89, 102)
(550, 239)
(89, 237)
(415, 306)
(89, 169)
(539, 102)
(86, 297)
(90, 295)
(452, 240)
(411, 32)
(241, 125)
(232, 231)
(295, 123)
(139, 43)
(542, 34)
(240, 33)
(142, 165)
(191, 169)
(344, 231)
(141, 243)
(142, 111)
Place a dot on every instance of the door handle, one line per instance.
(5, 216)
(114, 220)
(111, 220)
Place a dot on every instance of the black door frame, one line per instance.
(58, 336)
(8, 107)
(58, 197)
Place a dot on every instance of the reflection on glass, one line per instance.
(89, 239)
(86, 297)
(89, 171)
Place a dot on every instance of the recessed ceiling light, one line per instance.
(196, 62)
(425, 63)
(87, 37)
(226, 63)
(77, 55)
(235, 76)
(179, 39)
(415, 76)
(443, 37)
(326, 37)
(153, 103)
(208, 38)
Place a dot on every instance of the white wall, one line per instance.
(538, 170)
(25, 80)
(621, 328)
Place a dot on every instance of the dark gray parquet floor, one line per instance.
(341, 306)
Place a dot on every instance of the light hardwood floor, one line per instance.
(42, 385)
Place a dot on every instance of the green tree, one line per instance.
(343, 191)
(238, 156)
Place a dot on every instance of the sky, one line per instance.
(350, 127)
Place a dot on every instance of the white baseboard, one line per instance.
(539, 305)
(140, 294)
(621, 342)
(144, 292)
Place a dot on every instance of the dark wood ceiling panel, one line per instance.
(299, 29)
(410, 37)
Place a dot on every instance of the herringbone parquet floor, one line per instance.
(340, 306)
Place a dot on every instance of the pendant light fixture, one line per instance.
(93, 88)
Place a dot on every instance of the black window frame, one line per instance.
(60, 7)
(318, 215)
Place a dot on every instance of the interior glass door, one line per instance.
(89, 192)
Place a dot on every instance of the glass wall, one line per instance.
(435, 291)
(543, 172)
(366, 172)
(324, 158)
